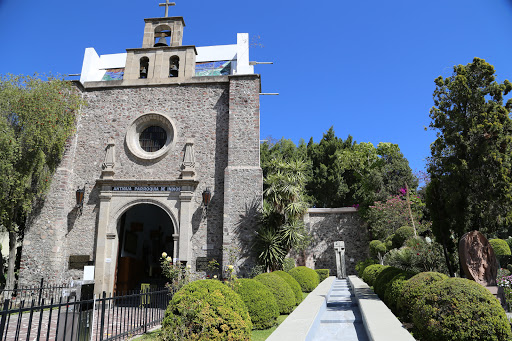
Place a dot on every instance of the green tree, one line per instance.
(36, 119)
(470, 165)
(284, 206)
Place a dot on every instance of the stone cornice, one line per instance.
(147, 182)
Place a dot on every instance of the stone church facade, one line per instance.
(155, 136)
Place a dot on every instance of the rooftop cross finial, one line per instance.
(167, 4)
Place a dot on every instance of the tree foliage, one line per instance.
(470, 165)
(36, 119)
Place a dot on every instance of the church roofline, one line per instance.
(135, 83)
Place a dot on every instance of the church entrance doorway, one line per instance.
(145, 231)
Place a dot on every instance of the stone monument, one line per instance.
(339, 251)
(479, 262)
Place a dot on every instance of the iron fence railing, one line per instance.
(37, 293)
(105, 318)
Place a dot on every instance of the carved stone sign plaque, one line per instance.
(78, 261)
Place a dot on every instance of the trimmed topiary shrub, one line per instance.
(500, 247)
(383, 278)
(288, 264)
(259, 301)
(322, 274)
(502, 251)
(394, 290)
(401, 235)
(377, 249)
(413, 289)
(458, 309)
(294, 285)
(307, 278)
(361, 265)
(206, 310)
(282, 292)
(371, 272)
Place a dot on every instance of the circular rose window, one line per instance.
(150, 136)
(152, 139)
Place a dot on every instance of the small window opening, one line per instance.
(153, 138)
(174, 66)
(144, 66)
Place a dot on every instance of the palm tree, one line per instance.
(284, 205)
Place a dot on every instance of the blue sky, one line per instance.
(365, 67)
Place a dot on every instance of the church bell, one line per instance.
(161, 42)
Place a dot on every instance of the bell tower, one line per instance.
(162, 58)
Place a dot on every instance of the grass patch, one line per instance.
(148, 336)
(260, 335)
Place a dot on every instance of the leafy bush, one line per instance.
(294, 285)
(500, 247)
(282, 292)
(257, 270)
(377, 249)
(459, 309)
(401, 235)
(361, 265)
(288, 264)
(259, 301)
(382, 280)
(394, 290)
(206, 310)
(371, 272)
(322, 274)
(418, 255)
(307, 278)
(413, 290)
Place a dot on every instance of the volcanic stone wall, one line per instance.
(220, 114)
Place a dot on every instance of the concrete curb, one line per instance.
(379, 322)
(297, 326)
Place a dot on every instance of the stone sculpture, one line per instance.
(339, 251)
(479, 262)
(478, 259)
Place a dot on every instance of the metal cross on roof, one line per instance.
(167, 4)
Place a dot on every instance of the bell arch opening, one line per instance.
(144, 231)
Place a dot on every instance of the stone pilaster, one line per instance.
(243, 179)
(184, 253)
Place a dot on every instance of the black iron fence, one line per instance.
(36, 293)
(102, 318)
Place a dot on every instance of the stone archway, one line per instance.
(144, 231)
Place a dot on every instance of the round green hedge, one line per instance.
(394, 290)
(206, 310)
(282, 292)
(500, 247)
(413, 290)
(323, 274)
(361, 265)
(401, 235)
(371, 272)
(294, 285)
(458, 309)
(259, 301)
(382, 280)
(307, 278)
